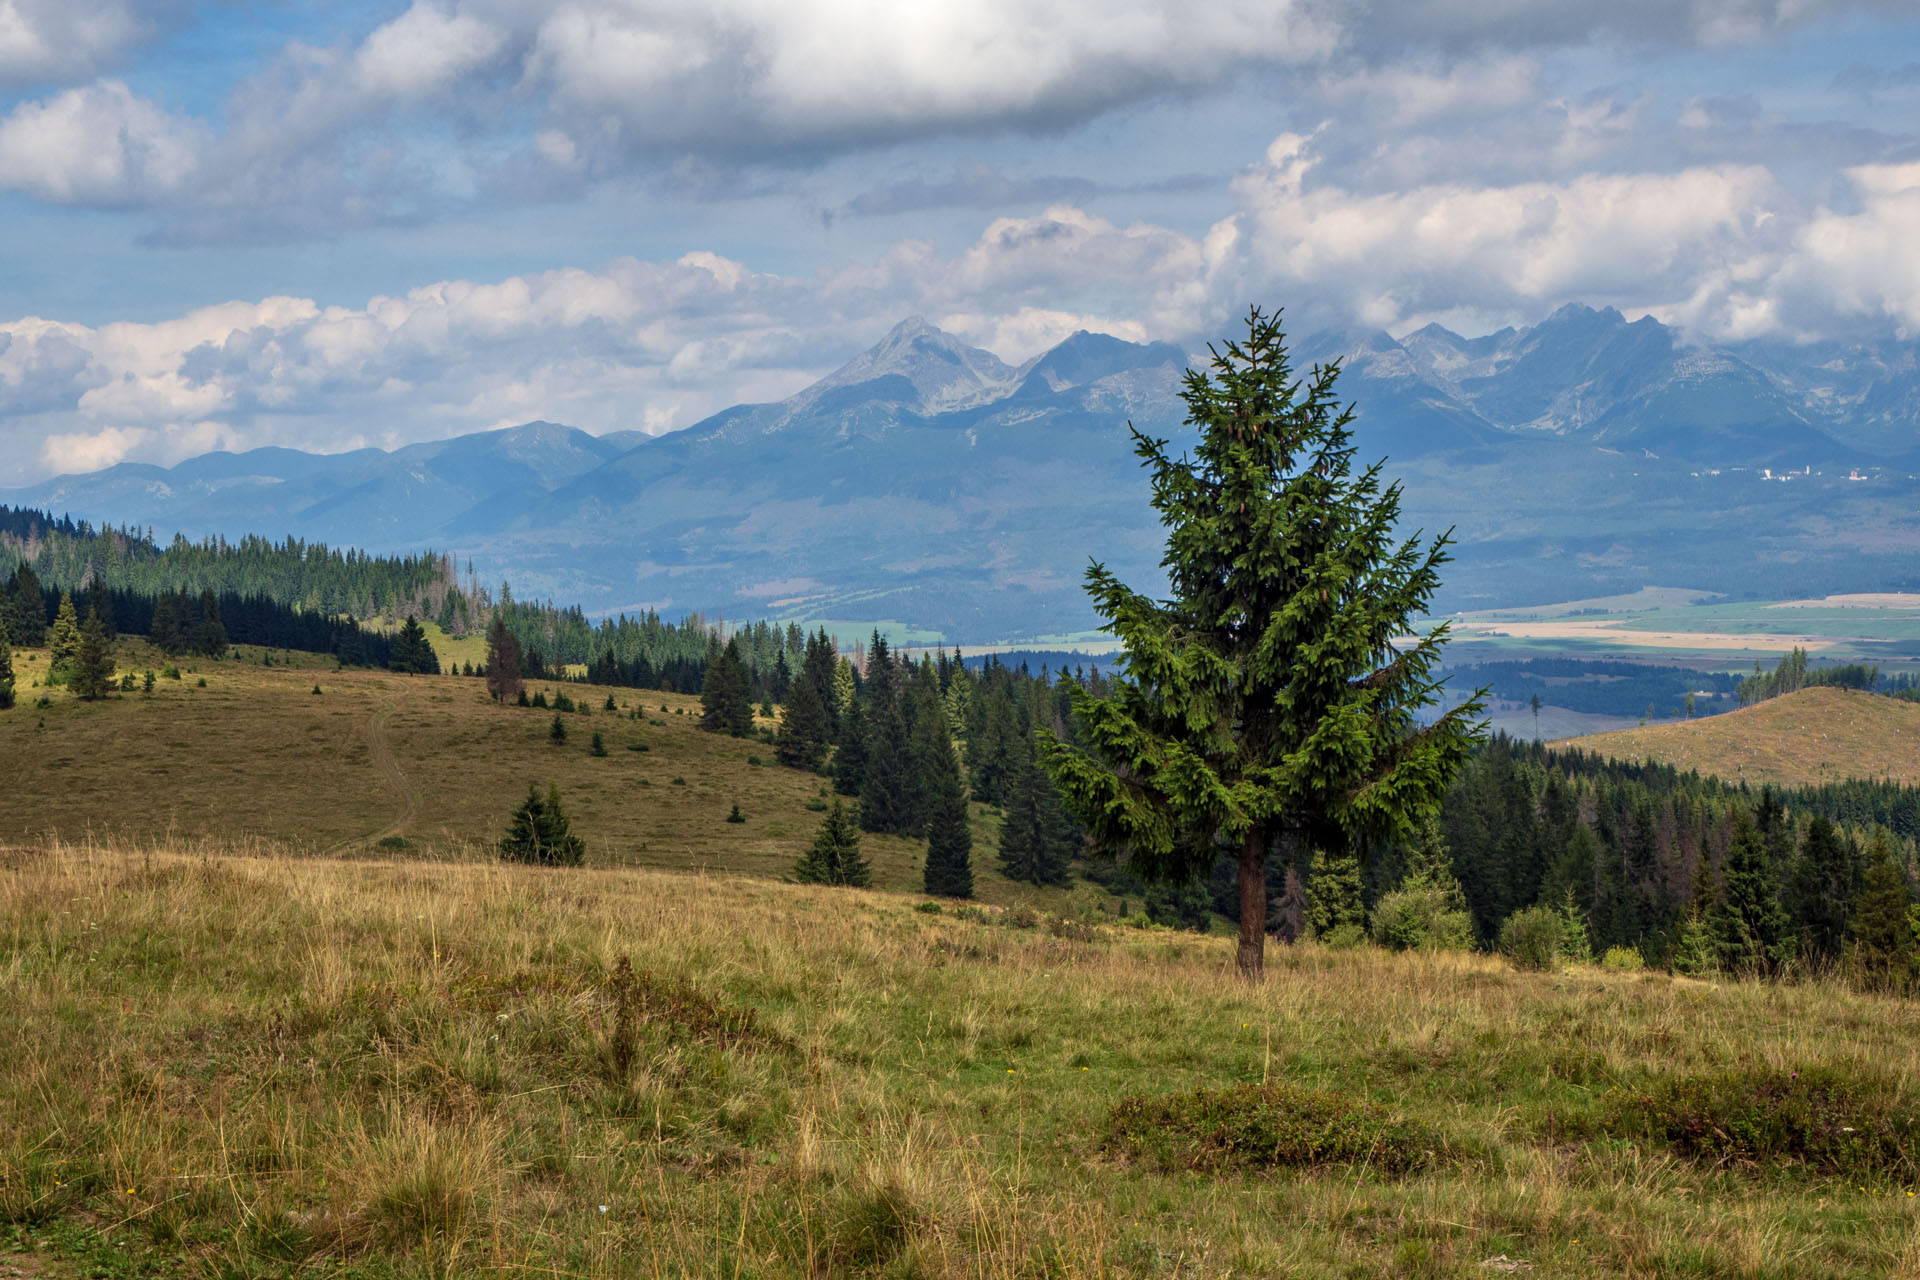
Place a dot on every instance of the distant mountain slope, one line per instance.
(1587, 374)
(926, 480)
(1806, 738)
(367, 498)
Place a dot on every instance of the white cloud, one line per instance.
(1635, 240)
(1726, 249)
(77, 452)
(456, 103)
(101, 144)
(424, 50)
(59, 40)
(753, 74)
(646, 345)
(1864, 263)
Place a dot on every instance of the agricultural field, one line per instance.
(388, 1068)
(1693, 627)
(418, 766)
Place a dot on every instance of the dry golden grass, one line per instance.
(243, 1065)
(1802, 739)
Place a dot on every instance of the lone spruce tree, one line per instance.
(503, 662)
(834, 856)
(1266, 703)
(540, 833)
(64, 643)
(726, 705)
(91, 674)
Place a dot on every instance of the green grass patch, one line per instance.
(1270, 1126)
(1829, 1119)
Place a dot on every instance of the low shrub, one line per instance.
(639, 746)
(1825, 1118)
(1422, 917)
(1269, 1126)
(1531, 939)
(1623, 960)
(1343, 937)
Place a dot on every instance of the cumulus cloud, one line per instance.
(635, 344)
(100, 145)
(454, 104)
(754, 74)
(83, 451)
(1649, 240)
(45, 41)
(1725, 250)
(424, 50)
(1864, 263)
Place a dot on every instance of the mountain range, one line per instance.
(929, 482)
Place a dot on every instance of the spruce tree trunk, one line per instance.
(1253, 905)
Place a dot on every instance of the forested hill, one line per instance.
(69, 555)
(277, 584)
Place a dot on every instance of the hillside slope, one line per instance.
(1803, 739)
(420, 766)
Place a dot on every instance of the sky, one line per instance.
(332, 225)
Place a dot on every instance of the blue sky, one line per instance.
(328, 225)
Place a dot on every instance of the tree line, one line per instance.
(305, 595)
(71, 555)
(205, 623)
(1602, 687)
(1688, 872)
(1792, 674)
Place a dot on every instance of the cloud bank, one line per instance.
(1724, 250)
(456, 101)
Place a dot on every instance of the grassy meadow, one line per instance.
(224, 1065)
(273, 1009)
(422, 765)
(1807, 738)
